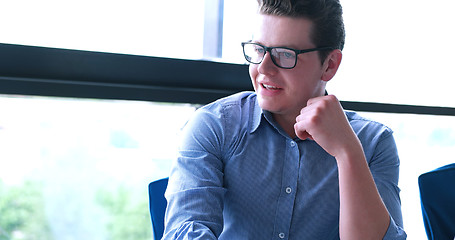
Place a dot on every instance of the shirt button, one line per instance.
(288, 190)
(292, 144)
(281, 235)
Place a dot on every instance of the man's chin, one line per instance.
(269, 106)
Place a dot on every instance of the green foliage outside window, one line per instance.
(23, 214)
(129, 218)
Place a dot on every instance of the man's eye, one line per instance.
(260, 50)
(287, 55)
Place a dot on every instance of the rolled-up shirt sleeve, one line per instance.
(384, 166)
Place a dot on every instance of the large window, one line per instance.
(397, 52)
(75, 168)
(141, 27)
(79, 168)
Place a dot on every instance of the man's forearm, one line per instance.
(363, 214)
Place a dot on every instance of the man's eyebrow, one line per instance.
(274, 46)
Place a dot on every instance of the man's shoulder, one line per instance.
(238, 98)
(363, 124)
(228, 115)
(242, 100)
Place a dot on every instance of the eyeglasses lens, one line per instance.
(282, 57)
(253, 53)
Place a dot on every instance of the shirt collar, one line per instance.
(259, 116)
(256, 116)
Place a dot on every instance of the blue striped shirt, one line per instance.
(238, 176)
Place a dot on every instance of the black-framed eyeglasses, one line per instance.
(282, 57)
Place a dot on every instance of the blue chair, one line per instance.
(158, 204)
(437, 196)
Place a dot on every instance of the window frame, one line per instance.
(43, 71)
(30, 70)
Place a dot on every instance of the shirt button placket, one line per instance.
(287, 198)
(292, 144)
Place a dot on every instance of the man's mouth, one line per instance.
(269, 87)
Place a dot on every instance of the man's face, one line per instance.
(286, 91)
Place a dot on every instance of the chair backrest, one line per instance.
(158, 204)
(437, 196)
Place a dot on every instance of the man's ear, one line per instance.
(331, 64)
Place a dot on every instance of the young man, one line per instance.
(286, 162)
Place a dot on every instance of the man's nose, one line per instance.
(267, 66)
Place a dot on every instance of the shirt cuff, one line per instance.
(394, 232)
